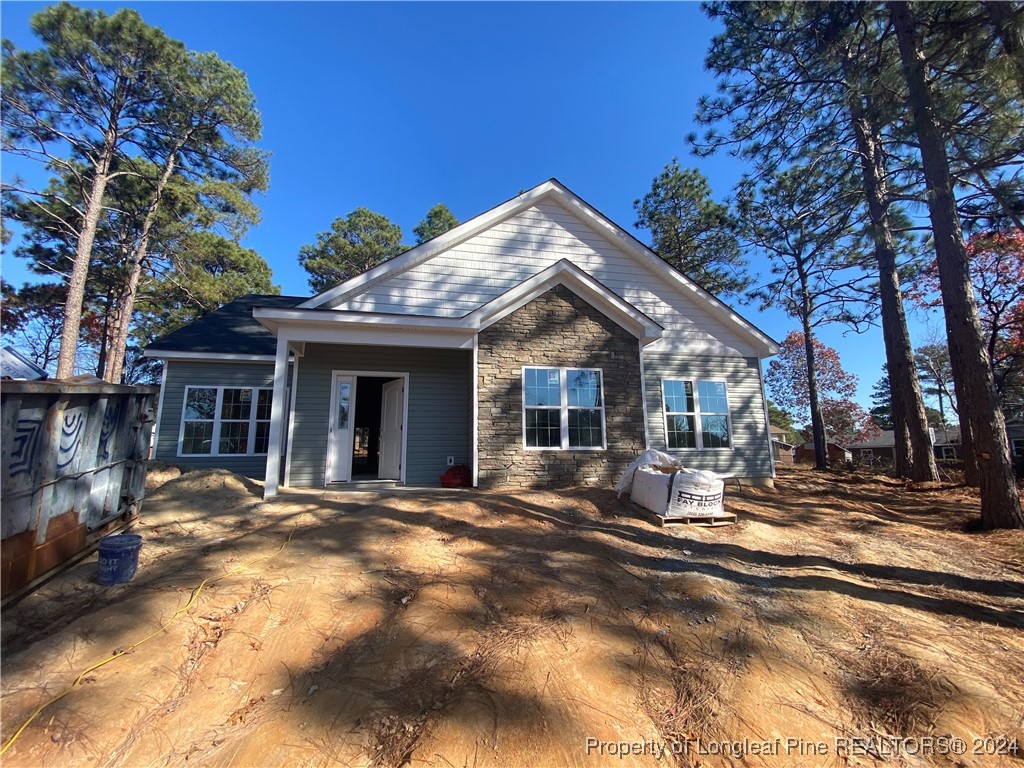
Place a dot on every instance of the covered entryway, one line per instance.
(366, 434)
(377, 415)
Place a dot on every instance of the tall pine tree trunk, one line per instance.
(975, 388)
(126, 303)
(83, 256)
(108, 316)
(914, 456)
(817, 422)
(818, 435)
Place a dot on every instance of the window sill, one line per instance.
(697, 450)
(220, 455)
(535, 449)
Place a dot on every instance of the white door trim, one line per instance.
(404, 375)
(291, 423)
(329, 469)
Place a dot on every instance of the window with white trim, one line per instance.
(1017, 445)
(563, 408)
(225, 421)
(696, 413)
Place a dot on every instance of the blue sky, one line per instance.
(397, 107)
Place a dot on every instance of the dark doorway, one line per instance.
(366, 440)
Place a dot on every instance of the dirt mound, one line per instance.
(203, 481)
(837, 624)
(159, 472)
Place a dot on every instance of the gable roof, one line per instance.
(562, 272)
(229, 329)
(548, 190)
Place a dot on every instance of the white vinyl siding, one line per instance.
(225, 421)
(749, 454)
(470, 274)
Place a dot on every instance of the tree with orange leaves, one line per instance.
(997, 275)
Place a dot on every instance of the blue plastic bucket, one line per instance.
(119, 558)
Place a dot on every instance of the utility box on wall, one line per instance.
(74, 467)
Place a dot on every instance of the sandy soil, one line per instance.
(843, 621)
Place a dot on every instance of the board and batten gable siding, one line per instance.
(750, 454)
(216, 373)
(439, 406)
(485, 266)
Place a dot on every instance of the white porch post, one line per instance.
(277, 409)
(476, 412)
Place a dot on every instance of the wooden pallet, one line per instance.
(703, 522)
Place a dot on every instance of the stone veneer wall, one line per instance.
(557, 329)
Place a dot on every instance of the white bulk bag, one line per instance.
(695, 493)
(649, 458)
(651, 488)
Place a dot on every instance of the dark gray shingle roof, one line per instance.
(228, 330)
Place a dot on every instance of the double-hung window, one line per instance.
(563, 408)
(225, 421)
(696, 413)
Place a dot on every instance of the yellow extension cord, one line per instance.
(129, 649)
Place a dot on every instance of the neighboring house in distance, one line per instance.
(1015, 432)
(880, 448)
(538, 343)
(837, 454)
(945, 443)
(782, 451)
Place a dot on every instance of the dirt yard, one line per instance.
(845, 620)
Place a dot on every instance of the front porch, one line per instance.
(376, 416)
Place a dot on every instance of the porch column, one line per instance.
(475, 447)
(277, 409)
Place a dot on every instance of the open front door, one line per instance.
(339, 441)
(392, 409)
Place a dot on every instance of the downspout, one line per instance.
(643, 396)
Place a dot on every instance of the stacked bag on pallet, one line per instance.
(660, 483)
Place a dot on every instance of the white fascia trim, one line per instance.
(375, 336)
(335, 318)
(566, 273)
(161, 355)
(570, 201)
(310, 324)
(421, 253)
